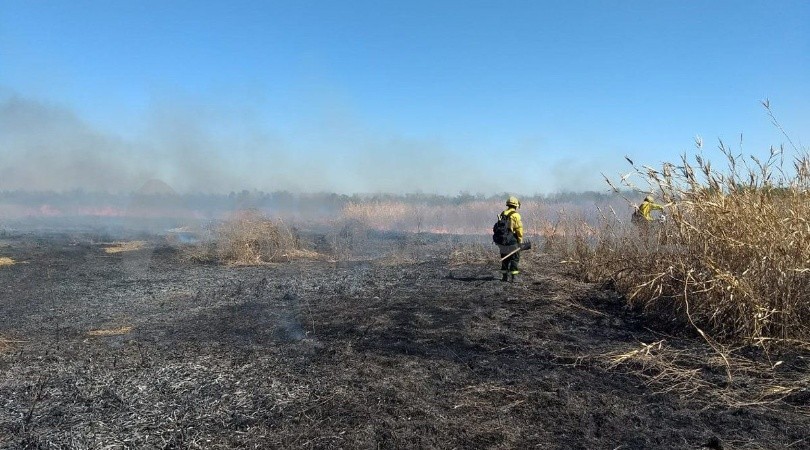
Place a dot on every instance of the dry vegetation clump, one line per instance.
(703, 373)
(468, 253)
(661, 365)
(247, 237)
(110, 331)
(126, 246)
(347, 238)
(6, 261)
(732, 257)
(5, 344)
(383, 215)
(569, 235)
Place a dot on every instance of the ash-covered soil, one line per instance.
(143, 349)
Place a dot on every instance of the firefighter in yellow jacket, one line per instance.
(643, 214)
(509, 266)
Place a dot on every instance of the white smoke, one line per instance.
(197, 148)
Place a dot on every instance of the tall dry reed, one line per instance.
(732, 257)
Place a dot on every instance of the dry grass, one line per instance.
(6, 344)
(249, 238)
(348, 238)
(468, 218)
(110, 331)
(688, 373)
(246, 238)
(6, 261)
(733, 257)
(468, 253)
(126, 246)
(660, 365)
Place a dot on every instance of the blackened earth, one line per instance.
(409, 350)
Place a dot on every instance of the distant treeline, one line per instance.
(157, 210)
(280, 199)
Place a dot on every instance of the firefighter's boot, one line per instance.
(505, 277)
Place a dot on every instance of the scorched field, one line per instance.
(134, 345)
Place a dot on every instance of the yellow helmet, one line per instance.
(513, 201)
(649, 198)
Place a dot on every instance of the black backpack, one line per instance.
(502, 230)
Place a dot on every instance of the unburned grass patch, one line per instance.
(247, 238)
(732, 259)
(6, 344)
(125, 246)
(6, 261)
(110, 331)
(733, 263)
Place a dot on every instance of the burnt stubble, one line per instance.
(147, 349)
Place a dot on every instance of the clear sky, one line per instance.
(388, 96)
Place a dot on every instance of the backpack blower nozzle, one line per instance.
(524, 246)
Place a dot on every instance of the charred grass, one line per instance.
(419, 347)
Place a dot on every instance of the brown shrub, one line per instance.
(247, 237)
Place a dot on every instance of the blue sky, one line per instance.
(371, 96)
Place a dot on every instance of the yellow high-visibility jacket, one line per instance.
(646, 208)
(517, 225)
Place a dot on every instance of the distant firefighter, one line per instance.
(643, 214)
(508, 234)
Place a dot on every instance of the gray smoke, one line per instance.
(199, 148)
(49, 147)
(45, 147)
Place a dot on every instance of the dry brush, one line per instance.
(246, 237)
(733, 256)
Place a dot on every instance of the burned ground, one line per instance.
(145, 349)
